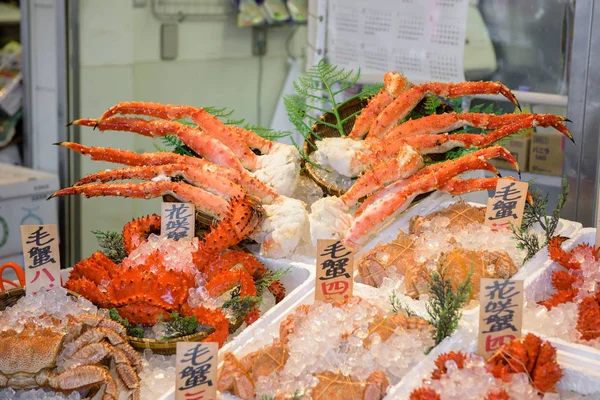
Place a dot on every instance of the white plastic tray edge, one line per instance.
(580, 375)
(291, 300)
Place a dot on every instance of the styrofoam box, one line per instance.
(23, 193)
(299, 284)
(579, 375)
(539, 284)
(262, 332)
(436, 202)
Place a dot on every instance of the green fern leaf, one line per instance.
(431, 104)
(370, 90)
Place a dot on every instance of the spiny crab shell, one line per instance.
(588, 318)
(70, 356)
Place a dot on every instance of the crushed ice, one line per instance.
(53, 302)
(480, 383)
(331, 339)
(561, 321)
(174, 254)
(158, 375)
(442, 236)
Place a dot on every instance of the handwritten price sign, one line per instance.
(335, 269)
(196, 371)
(500, 314)
(507, 205)
(41, 256)
(177, 220)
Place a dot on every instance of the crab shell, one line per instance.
(68, 357)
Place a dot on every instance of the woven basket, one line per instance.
(324, 131)
(10, 297)
(167, 347)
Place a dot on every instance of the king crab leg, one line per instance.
(406, 164)
(200, 177)
(364, 157)
(200, 142)
(440, 123)
(408, 100)
(285, 218)
(395, 83)
(373, 214)
(228, 134)
(204, 201)
(278, 165)
(127, 157)
(441, 143)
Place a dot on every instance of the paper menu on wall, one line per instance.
(423, 39)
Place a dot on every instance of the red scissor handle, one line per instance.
(18, 270)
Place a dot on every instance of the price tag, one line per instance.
(500, 314)
(507, 205)
(41, 257)
(335, 269)
(178, 220)
(196, 371)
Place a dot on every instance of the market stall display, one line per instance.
(530, 367)
(563, 296)
(407, 330)
(363, 349)
(57, 341)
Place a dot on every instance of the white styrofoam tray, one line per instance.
(436, 202)
(579, 375)
(299, 284)
(262, 332)
(539, 285)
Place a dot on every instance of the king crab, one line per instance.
(390, 156)
(146, 291)
(229, 168)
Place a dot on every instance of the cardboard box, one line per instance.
(547, 153)
(23, 193)
(519, 148)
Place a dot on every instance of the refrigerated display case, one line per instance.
(547, 46)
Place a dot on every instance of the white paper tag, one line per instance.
(41, 257)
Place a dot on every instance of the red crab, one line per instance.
(588, 320)
(529, 355)
(145, 291)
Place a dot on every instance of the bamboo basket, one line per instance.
(10, 297)
(167, 347)
(324, 131)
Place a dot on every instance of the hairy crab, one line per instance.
(400, 257)
(46, 353)
(240, 376)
